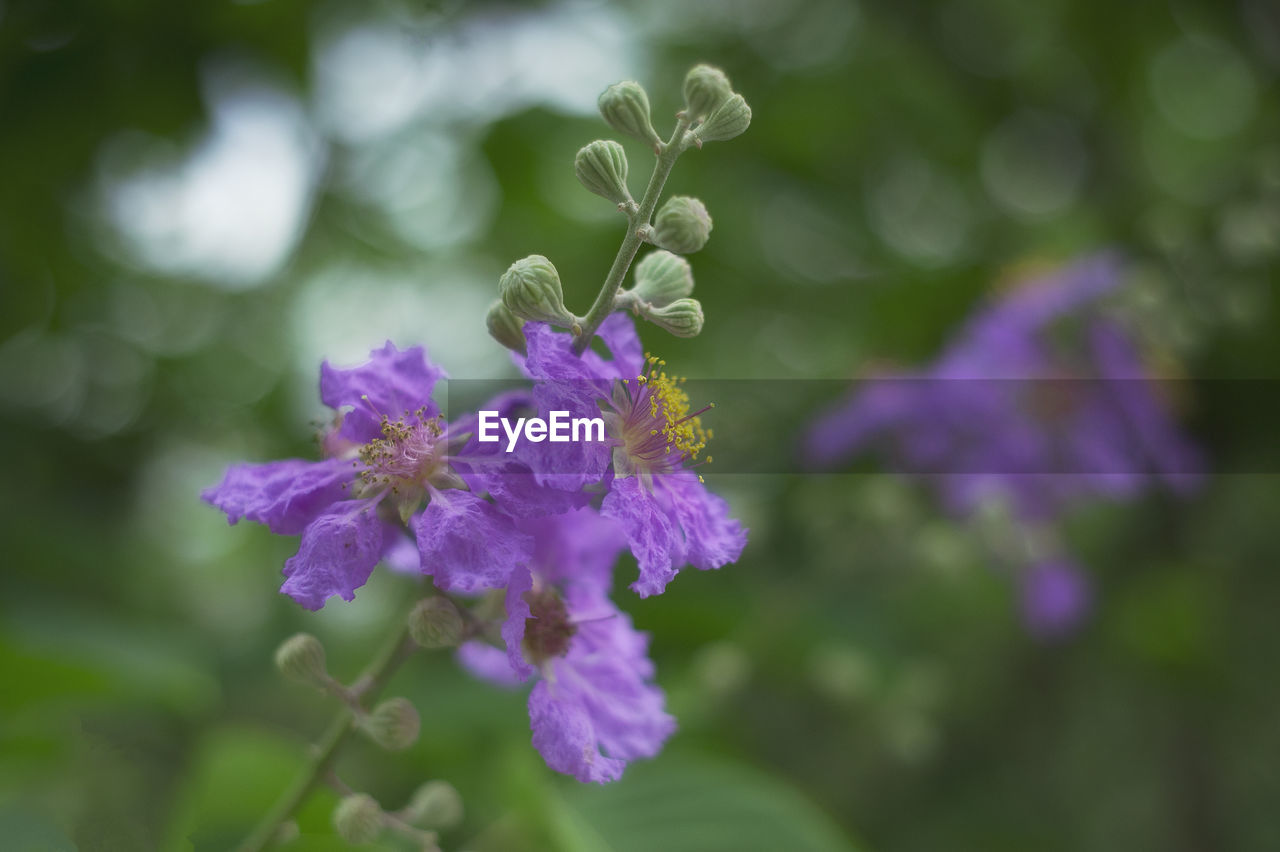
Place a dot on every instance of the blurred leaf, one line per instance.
(73, 656)
(676, 804)
(24, 830)
(235, 775)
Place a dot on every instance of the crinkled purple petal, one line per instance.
(396, 383)
(285, 495)
(618, 331)
(608, 671)
(577, 549)
(598, 702)
(551, 357)
(518, 613)
(712, 539)
(467, 544)
(569, 465)
(521, 493)
(563, 735)
(338, 552)
(656, 543)
(550, 353)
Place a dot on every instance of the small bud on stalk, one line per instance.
(393, 724)
(435, 804)
(436, 623)
(662, 277)
(301, 658)
(625, 107)
(358, 819)
(682, 225)
(531, 290)
(730, 119)
(505, 327)
(705, 88)
(602, 168)
(683, 317)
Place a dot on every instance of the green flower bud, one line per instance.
(301, 658)
(358, 819)
(436, 623)
(682, 225)
(393, 724)
(435, 804)
(505, 327)
(662, 277)
(705, 88)
(730, 119)
(531, 290)
(602, 168)
(625, 107)
(683, 317)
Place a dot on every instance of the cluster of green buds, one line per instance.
(662, 294)
(435, 806)
(392, 724)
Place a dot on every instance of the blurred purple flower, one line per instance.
(1054, 597)
(1040, 402)
(1015, 411)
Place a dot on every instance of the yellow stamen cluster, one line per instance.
(669, 406)
(404, 454)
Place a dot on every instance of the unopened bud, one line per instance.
(436, 623)
(602, 168)
(505, 327)
(682, 225)
(683, 317)
(435, 804)
(625, 106)
(358, 819)
(531, 290)
(301, 658)
(393, 724)
(730, 119)
(662, 277)
(705, 88)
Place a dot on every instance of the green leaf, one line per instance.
(73, 656)
(692, 805)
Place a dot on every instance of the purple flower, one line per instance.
(594, 707)
(1054, 597)
(390, 452)
(654, 439)
(1017, 410)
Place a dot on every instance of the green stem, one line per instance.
(603, 305)
(398, 649)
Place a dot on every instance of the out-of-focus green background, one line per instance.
(199, 202)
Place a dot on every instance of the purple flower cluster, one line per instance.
(543, 526)
(1041, 402)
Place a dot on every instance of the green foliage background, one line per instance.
(859, 680)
